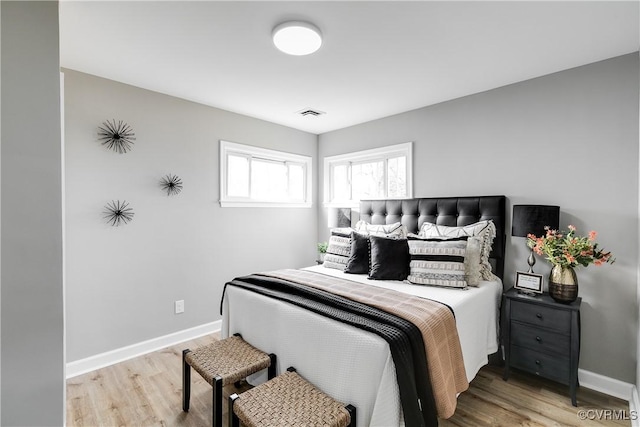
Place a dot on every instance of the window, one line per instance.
(381, 173)
(253, 176)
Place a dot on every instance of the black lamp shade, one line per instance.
(532, 219)
(339, 217)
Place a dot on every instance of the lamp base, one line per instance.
(531, 261)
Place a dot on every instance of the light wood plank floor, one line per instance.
(147, 391)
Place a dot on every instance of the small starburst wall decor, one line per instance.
(116, 136)
(172, 184)
(117, 213)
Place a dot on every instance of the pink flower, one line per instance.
(538, 245)
(567, 249)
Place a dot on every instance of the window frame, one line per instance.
(367, 156)
(250, 152)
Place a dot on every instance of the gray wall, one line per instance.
(122, 281)
(31, 243)
(570, 139)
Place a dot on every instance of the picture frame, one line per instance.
(530, 283)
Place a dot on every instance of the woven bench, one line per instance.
(221, 363)
(288, 400)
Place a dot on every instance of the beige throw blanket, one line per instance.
(435, 321)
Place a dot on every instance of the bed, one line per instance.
(357, 366)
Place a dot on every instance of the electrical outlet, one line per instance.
(179, 306)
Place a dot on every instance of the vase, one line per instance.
(563, 284)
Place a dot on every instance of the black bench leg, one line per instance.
(271, 373)
(233, 418)
(217, 401)
(352, 414)
(186, 382)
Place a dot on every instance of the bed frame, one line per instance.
(450, 211)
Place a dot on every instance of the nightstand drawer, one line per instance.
(541, 316)
(539, 339)
(552, 367)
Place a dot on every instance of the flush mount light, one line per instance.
(297, 38)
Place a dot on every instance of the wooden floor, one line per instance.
(527, 400)
(147, 391)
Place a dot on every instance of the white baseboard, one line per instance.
(606, 385)
(634, 407)
(98, 361)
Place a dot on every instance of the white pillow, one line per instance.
(394, 231)
(472, 264)
(472, 256)
(338, 251)
(485, 230)
(438, 262)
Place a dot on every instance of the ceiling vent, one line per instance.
(310, 112)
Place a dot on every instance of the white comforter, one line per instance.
(352, 365)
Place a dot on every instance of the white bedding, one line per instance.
(352, 365)
(477, 322)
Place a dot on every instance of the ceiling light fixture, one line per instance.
(297, 38)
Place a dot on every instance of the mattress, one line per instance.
(352, 365)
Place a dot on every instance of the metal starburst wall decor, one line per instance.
(172, 184)
(118, 136)
(117, 212)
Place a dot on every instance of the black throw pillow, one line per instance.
(358, 262)
(389, 258)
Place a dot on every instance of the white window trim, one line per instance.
(404, 149)
(227, 147)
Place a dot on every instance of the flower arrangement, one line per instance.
(569, 250)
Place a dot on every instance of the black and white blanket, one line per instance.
(308, 290)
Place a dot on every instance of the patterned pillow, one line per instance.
(472, 264)
(485, 230)
(344, 231)
(438, 262)
(338, 250)
(395, 230)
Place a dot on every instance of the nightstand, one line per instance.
(542, 337)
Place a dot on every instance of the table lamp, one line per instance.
(532, 219)
(339, 218)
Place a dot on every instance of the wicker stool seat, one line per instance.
(288, 400)
(222, 363)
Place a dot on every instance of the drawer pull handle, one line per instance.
(538, 339)
(539, 316)
(538, 362)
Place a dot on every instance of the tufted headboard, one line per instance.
(451, 211)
